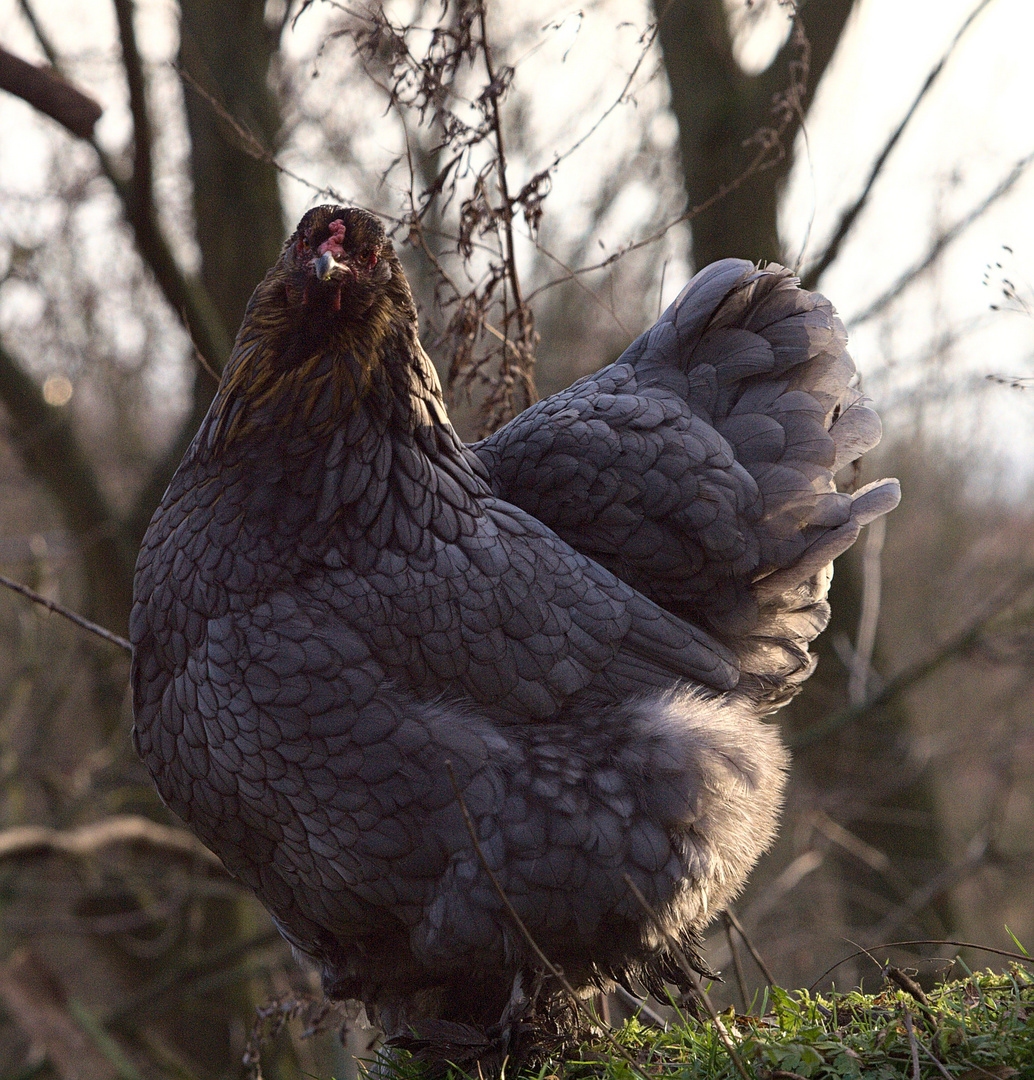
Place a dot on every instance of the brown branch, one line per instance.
(143, 171)
(731, 918)
(1019, 957)
(905, 982)
(87, 841)
(810, 279)
(966, 638)
(912, 1043)
(947, 237)
(72, 616)
(186, 295)
(916, 1043)
(49, 93)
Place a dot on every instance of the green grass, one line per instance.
(979, 1027)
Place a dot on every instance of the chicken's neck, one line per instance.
(362, 441)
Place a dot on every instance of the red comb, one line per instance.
(335, 242)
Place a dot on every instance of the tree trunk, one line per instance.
(719, 107)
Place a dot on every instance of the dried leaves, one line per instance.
(445, 85)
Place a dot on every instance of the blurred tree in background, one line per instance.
(124, 278)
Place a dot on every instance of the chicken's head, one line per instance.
(338, 261)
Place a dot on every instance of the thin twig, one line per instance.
(511, 910)
(939, 1065)
(72, 616)
(758, 164)
(730, 914)
(1020, 957)
(946, 238)
(647, 39)
(810, 279)
(737, 965)
(913, 1044)
(769, 154)
(687, 969)
(957, 645)
(494, 92)
(860, 676)
(501, 409)
(418, 239)
(607, 306)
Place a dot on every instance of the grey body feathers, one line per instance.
(579, 623)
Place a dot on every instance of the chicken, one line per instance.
(351, 631)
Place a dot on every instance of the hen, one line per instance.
(350, 630)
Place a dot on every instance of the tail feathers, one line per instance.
(766, 364)
(700, 467)
(791, 602)
(856, 431)
(830, 540)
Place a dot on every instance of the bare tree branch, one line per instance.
(186, 295)
(1018, 957)
(958, 644)
(72, 616)
(86, 841)
(947, 237)
(49, 93)
(810, 279)
(143, 171)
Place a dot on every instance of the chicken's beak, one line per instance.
(327, 267)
